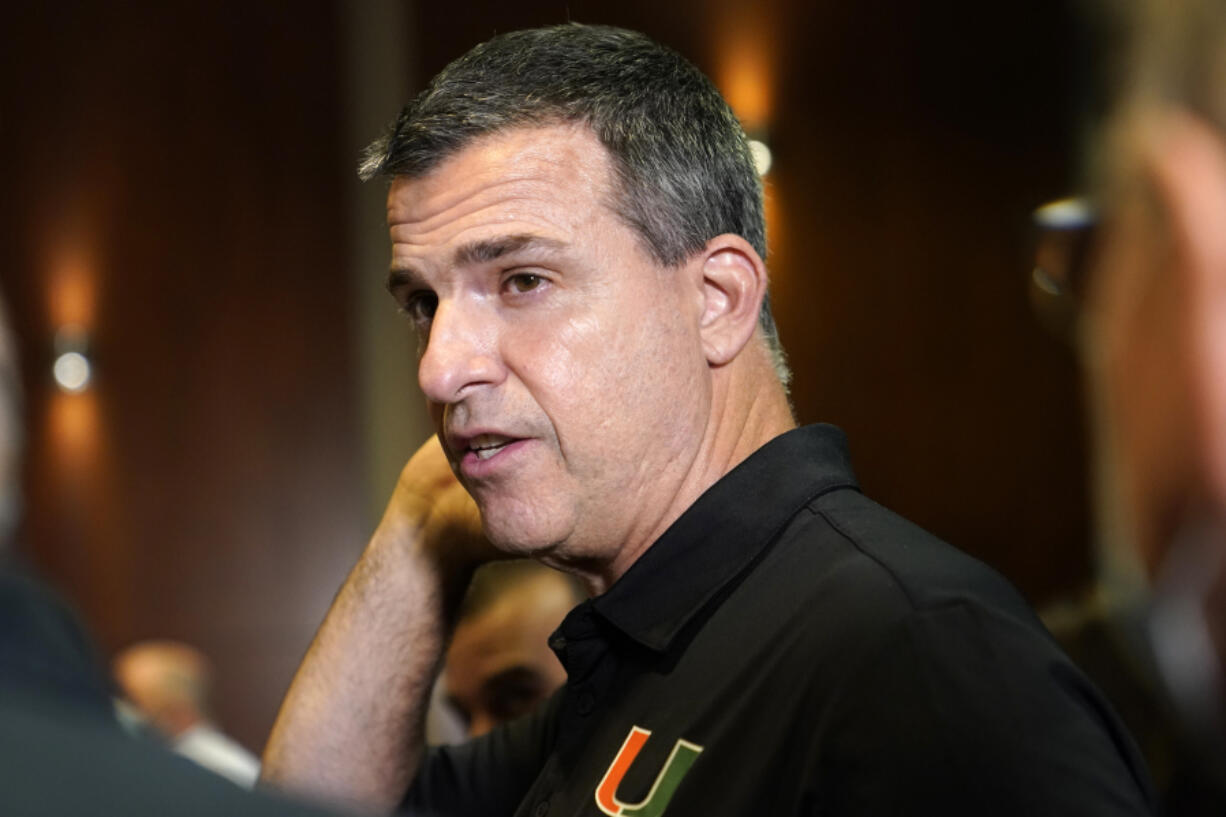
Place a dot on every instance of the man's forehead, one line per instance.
(519, 157)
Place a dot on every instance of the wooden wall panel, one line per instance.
(178, 165)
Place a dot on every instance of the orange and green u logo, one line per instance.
(679, 762)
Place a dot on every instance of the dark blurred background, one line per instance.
(179, 186)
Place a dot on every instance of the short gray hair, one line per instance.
(682, 166)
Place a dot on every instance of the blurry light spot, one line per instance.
(72, 371)
(761, 156)
(1044, 282)
(1065, 214)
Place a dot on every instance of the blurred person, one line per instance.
(62, 750)
(577, 235)
(1144, 263)
(499, 665)
(170, 683)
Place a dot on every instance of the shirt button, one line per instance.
(587, 702)
(542, 808)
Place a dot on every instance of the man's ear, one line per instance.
(1186, 159)
(733, 286)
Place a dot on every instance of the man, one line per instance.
(577, 233)
(1152, 330)
(168, 683)
(499, 665)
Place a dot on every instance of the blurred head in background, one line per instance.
(499, 665)
(1153, 320)
(1154, 312)
(169, 684)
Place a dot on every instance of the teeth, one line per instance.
(488, 441)
(487, 445)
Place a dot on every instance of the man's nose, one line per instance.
(460, 353)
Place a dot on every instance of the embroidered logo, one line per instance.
(679, 762)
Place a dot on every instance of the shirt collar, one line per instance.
(723, 532)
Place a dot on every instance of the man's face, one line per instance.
(563, 366)
(499, 665)
(1137, 347)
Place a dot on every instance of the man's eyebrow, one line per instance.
(481, 252)
(401, 278)
(477, 252)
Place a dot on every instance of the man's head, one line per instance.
(682, 170)
(1155, 328)
(499, 665)
(168, 683)
(576, 232)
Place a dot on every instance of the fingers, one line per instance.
(432, 508)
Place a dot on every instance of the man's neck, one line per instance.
(749, 409)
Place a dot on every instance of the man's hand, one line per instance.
(351, 728)
(430, 508)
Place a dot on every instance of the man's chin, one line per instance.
(519, 543)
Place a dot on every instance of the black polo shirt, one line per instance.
(790, 647)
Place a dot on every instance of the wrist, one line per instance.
(402, 544)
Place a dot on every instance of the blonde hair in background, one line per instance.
(1156, 54)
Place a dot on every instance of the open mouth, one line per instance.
(487, 445)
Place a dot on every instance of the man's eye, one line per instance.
(515, 696)
(420, 306)
(523, 282)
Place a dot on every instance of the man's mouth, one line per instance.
(487, 445)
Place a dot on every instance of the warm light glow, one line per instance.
(73, 426)
(746, 76)
(72, 371)
(71, 289)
